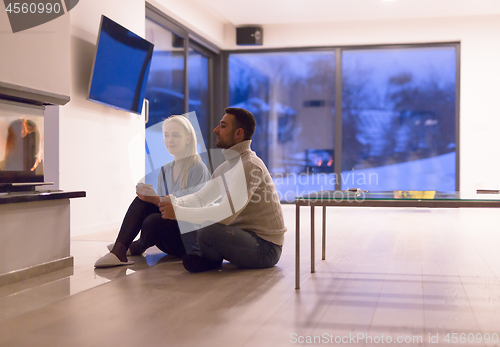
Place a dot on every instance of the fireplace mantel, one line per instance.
(13, 198)
(9, 91)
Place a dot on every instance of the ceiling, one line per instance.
(246, 12)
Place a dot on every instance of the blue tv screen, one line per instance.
(121, 67)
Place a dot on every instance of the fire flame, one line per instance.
(27, 129)
(319, 161)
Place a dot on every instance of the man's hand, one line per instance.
(166, 209)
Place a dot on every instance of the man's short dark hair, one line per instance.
(244, 119)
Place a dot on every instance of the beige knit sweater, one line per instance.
(249, 197)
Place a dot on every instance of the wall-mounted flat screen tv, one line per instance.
(121, 67)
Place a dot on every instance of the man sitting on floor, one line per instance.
(246, 227)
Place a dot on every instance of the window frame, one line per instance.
(205, 47)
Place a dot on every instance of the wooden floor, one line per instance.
(410, 274)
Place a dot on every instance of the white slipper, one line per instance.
(110, 247)
(110, 260)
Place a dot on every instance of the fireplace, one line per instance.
(21, 146)
(32, 221)
(319, 161)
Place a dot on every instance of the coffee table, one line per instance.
(378, 199)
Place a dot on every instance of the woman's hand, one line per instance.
(146, 193)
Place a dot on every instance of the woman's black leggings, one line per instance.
(145, 218)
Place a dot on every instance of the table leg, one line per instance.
(323, 245)
(297, 246)
(312, 239)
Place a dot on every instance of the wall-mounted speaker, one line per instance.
(250, 35)
(177, 41)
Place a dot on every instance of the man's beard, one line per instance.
(224, 145)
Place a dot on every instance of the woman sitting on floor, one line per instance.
(183, 176)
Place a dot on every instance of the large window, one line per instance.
(165, 93)
(398, 119)
(179, 82)
(396, 107)
(291, 95)
(199, 91)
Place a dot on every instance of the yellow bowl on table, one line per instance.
(414, 194)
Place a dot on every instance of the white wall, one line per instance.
(36, 58)
(94, 139)
(479, 74)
